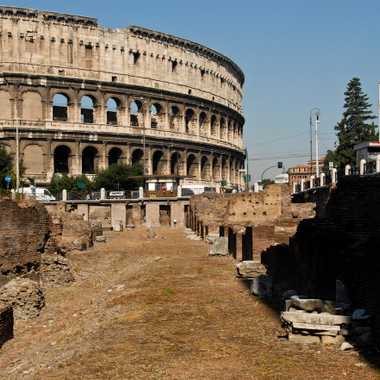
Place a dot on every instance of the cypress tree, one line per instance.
(356, 125)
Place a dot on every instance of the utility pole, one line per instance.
(17, 155)
(316, 146)
(317, 113)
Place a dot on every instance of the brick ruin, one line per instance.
(250, 222)
(33, 248)
(334, 256)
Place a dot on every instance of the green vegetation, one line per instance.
(356, 126)
(116, 177)
(5, 166)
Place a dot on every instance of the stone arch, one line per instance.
(223, 133)
(87, 109)
(137, 157)
(89, 160)
(113, 106)
(60, 106)
(158, 163)
(192, 165)
(175, 163)
(136, 113)
(175, 117)
(189, 120)
(31, 106)
(115, 156)
(5, 105)
(33, 159)
(205, 168)
(213, 125)
(230, 131)
(203, 123)
(224, 169)
(215, 169)
(62, 158)
(156, 115)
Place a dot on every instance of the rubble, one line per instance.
(55, 270)
(25, 296)
(249, 269)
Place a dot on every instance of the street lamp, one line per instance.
(316, 112)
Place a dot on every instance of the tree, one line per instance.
(356, 126)
(118, 177)
(60, 182)
(5, 165)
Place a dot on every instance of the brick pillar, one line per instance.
(152, 214)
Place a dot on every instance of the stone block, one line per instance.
(218, 246)
(100, 239)
(261, 286)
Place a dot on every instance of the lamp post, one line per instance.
(17, 156)
(316, 112)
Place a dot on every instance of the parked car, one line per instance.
(39, 193)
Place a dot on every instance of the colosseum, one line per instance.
(79, 97)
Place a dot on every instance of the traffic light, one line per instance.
(279, 165)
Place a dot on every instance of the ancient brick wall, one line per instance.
(24, 230)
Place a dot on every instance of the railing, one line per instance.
(331, 178)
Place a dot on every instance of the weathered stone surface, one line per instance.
(249, 269)
(55, 270)
(6, 323)
(261, 286)
(345, 346)
(332, 340)
(310, 305)
(100, 239)
(218, 246)
(24, 231)
(315, 318)
(25, 296)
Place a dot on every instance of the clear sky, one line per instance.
(296, 55)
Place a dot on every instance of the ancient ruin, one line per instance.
(84, 97)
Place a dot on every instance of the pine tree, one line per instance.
(356, 125)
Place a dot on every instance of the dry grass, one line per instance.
(161, 309)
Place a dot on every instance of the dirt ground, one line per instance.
(161, 309)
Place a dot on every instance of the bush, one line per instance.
(118, 177)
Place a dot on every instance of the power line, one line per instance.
(285, 156)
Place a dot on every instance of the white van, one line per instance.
(39, 193)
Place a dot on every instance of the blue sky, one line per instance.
(296, 55)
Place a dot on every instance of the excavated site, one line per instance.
(255, 287)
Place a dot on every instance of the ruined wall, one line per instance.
(24, 231)
(341, 243)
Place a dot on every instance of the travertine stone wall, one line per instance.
(165, 90)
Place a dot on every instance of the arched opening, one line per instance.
(155, 112)
(205, 168)
(60, 107)
(114, 156)
(215, 169)
(112, 110)
(175, 163)
(61, 159)
(203, 123)
(175, 118)
(230, 131)
(137, 157)
(192, 166)
(158, 164)
(189, 116)
(213, 125)
(89, 160)
(224, 169)
(87, 109)
(222, 128)
(135, 110)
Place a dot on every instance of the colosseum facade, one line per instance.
(84, 97)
